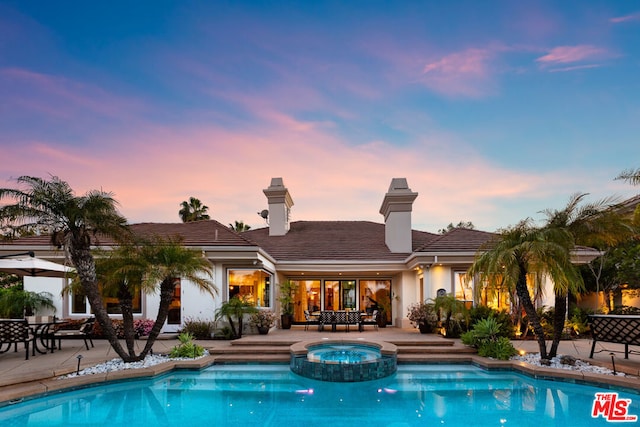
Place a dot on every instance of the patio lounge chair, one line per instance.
(84, 332)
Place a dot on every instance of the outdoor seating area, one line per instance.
(14, 332)
(42, 334)
(335, 318)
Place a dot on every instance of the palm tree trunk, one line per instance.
(559, 316)
(86, 268)
(525, 299)
(166, 295)
(126, 308)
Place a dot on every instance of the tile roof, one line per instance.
(332, 240)
(458, 240)
(197, 233)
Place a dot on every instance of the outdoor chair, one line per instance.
(309, 320)
(373, 320)
(16, 331)
(84, 332)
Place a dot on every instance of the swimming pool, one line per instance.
(271, 395)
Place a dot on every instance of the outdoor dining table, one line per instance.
(42, 329)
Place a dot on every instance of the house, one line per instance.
(337, 265)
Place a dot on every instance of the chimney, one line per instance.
(280, 203)
(396, 208)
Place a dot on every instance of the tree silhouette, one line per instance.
(193, 210)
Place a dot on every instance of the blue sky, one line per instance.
(493, 110)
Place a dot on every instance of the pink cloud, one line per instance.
(625, 18)
(466, 73)
(151, 169)
(62, 97)
(569, 54)
(574, 68)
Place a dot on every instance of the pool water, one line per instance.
(343, 353)
(271, 395)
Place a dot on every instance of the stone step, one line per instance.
(281, 353)
(434, 349)
(255, 350)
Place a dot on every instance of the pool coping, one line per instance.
(18, 392)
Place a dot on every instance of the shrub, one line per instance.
(186, 348)
(198, 328)
(625, 310)
(479, 312)
(578, 321)
(486, 337)
(501, 349)
(423, 313)
(225, 333)
(143, 327)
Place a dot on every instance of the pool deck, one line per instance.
(20, 378)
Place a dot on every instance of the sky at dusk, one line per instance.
(492, 110)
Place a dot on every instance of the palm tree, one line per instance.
(594, 224)
(632, 176)
(15, 302)
(234, 310)
(148, 265)
(75, 223)
(239, 227)
(193, 210)
(521, 251)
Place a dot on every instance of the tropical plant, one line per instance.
(486, 336)
(462, 224)
(193, 210)
(593, 224)
(15, 302)
(263, 319)
(200, 329)
(149, 265)
(234, 311)
(632, 176)
(504, 319)
(423, 313)
(286, 296)
(525, 251)
(74, 223)
(186, 348)
(239, 226)
(452, 315)
(9, 280)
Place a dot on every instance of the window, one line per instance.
(463, 288)
(376, 295)
(251, 285)
(80, 305)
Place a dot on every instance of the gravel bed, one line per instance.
(118, 365)
(566, 362)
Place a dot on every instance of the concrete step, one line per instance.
(268, 352)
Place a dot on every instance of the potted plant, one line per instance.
(287, 288)
(263, 320)
(423, 315)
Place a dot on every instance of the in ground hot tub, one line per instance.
(343, 361)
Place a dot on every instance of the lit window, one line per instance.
(253, 286)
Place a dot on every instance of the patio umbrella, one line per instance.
(34, 267)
